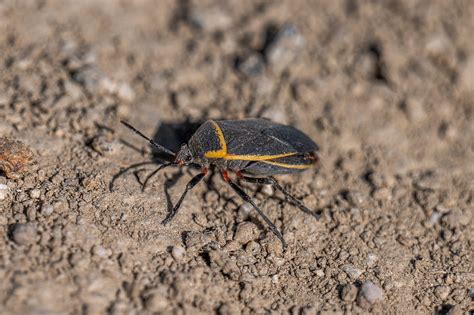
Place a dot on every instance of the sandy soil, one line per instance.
(386, 88)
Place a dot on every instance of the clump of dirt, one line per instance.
(384, 88)
(15, 157)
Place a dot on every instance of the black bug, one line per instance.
(253, 149)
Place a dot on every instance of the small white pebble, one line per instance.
(178, 252)
(35, 193)
(47, 209)
(372, 292)
(267, 190)
(4, 190)
(246, 208)
(320, 273)
(125, 92)
(275, 279)
(352, 271)
(371, 259)
(100, 251)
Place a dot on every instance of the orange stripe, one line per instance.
(257, 157)
(222, 152)
(294, 166)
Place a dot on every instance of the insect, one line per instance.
(253, 149)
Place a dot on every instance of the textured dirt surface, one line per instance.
(386, 88)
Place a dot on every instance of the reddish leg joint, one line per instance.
(239, 175)
(225, 176)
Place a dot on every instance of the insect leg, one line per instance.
(247, 198)
(155, 172)
(125, 170)
(272, 181)
(196, 179)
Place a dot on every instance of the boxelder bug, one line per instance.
(254, 149)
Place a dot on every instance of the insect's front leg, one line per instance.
(190, 185)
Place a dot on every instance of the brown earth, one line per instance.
(386, 88)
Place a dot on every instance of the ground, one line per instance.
(386, 89)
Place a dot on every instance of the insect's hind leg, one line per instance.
(247, 198)
(272, 181)
(193, 182)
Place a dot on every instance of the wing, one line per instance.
(261, 137)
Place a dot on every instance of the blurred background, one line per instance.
(385, 88)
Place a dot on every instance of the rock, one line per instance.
(285, 47)
(100, 251)
(4, 190)
(47, 209)
(414, 110)
(25, 234)
(210, 19)
(178, 253)
(229, 308)
(442, 292)
(371, 259)
(349, 292)
(371, 292)
(471, 293)
(35, 193)
(352, 271)
(125, 92)
(251, 65)
(246, 232)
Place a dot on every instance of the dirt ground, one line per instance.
(386, 88)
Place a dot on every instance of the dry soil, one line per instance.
(386, 88)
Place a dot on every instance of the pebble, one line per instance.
(285, 47)
(414, 110)
(442, 292)
(320, 273)
(4, 190)
(25, 234)
(371, 259)
(352, 271)
(246, 232)
(471, 293)
(267, 190)
(349, 292)
(251, 65)
(229, 308)
(35, 193)
(210, 19)
(371, 292)
(125, 92)
(178, 252)
(47, 209)
(100, 251)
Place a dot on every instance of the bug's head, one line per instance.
(184, 156)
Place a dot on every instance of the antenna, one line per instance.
(153, 143)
